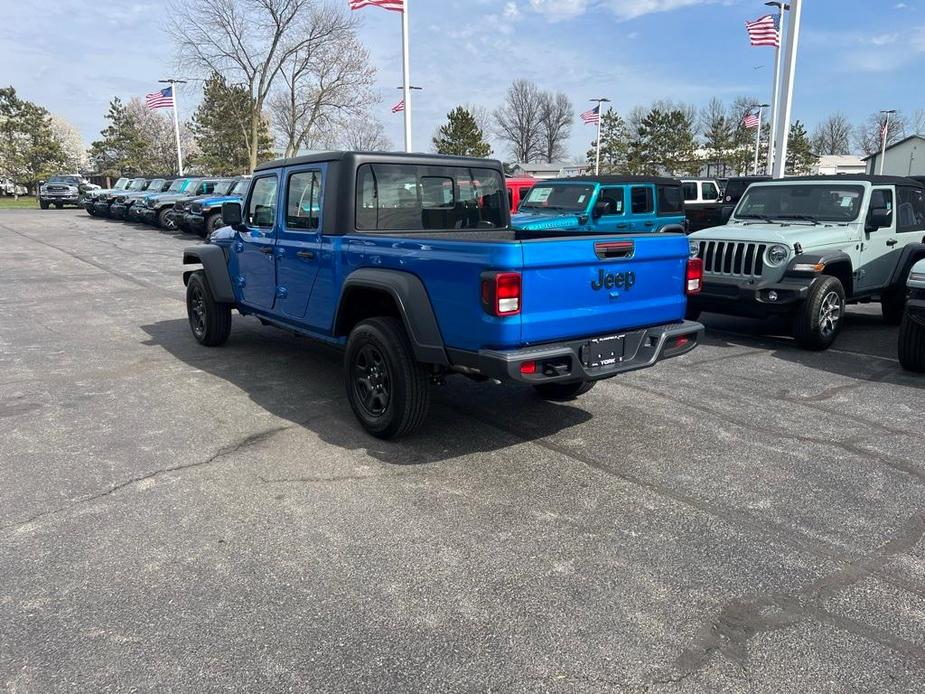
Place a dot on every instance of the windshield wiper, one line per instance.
(800, 217)
(761, 217)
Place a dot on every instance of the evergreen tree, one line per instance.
(29, 149)
(221, 126)
(122, 148)
(461, 135)
(800, 157)
(665, 143)
(615, 144)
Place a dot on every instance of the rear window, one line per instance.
(669, 200)
(393, 197)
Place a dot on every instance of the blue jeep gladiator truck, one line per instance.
(608, 204)
(409, 262)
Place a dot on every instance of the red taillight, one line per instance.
(528, 367)
(501, 293)
(694, 276)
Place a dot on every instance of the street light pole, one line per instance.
(761, 108)
(884, 135)
(600, 117)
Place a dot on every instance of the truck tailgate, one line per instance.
(585, 286)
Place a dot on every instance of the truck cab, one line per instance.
(606, 204)
(409, 263)
(804, 247)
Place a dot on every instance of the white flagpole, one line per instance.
(597, 160)
(406, 69)
(786, 90)
(775, 92)
(176, 120)
(758, 139)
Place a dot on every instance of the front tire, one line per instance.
(912, 344)
(43, 204)
(164, 221)
(386, 387)
(892, 305)
(213, 222)
(209, 320)
(562, 392)
(819, 319)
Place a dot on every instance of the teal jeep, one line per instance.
(608, 204)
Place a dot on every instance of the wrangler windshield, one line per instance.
(816, 202)
(122, 184)
(138, 184)
(564, 197)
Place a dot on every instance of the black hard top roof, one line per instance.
(379, 157)
(848, 178)
(616, 180)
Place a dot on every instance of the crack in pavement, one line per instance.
(245, 442)
(739, 620)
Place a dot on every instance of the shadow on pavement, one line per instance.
(301, 381)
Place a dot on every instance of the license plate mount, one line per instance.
(602, 352)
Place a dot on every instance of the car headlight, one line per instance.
(777, 254)
(694, 249)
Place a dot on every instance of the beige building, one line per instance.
(903, 158)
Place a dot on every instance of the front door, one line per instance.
(877, 250)
(299, 249)
(254, 246)
(613, 220)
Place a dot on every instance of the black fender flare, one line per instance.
(828, 260)
(909, 256)
(671, 229)
(413, 304)
(212, 259)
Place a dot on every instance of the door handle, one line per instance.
(891, 242)
(308, 255)
(621, 226)
(266, 250)
(648, 224)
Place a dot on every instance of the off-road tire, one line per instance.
(812, 326)
(892, 305)
(43, 204)
(162, 219)
(210, 321)
(562, 392)
(912, 343)
(213, 222)
(387, 388)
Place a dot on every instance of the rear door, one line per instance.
(254, 246)
(580, 287)
(298, 252)
(642, 207)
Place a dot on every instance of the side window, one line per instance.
(910, 208)
(669, 200)
(303, 201)
(261, 208)
(613, 198)
(709, 191)
(690, 190)
(641, 200)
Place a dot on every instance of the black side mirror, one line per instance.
(231, 214)
(599, 210)
(878, 218)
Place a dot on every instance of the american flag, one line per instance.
(394, 5)
(399, 107)
(751, 120)
(764, 31)
(592, 117)
(161, 99)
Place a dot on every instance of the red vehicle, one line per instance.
(517, 189)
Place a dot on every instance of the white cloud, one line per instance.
(558, 10)
(511, 11)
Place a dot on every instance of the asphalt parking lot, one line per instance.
(748, 518)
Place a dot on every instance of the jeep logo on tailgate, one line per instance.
(609, 280)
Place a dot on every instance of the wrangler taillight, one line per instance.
(501, 293)
(694, 276)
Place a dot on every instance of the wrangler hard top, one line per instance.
(409, 262)
(806, 246)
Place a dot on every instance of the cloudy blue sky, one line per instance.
(856, 56)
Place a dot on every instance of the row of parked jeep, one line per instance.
(191, 204)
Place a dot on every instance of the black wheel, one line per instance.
(563, 391)
(213, 222)
(912, 343)
(209, 320)
(818, 320)
(164, 221)
(43, 204)
(91, 212)
(892, 305)
(387, 389)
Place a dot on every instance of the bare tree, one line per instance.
(833, 135)
(869, 135)
(326, 80)
(917, 122)
(364, 135)
(247, 41)
(517, 121)
(160, 144)
(556, 117)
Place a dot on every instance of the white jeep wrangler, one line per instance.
(806, 246)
